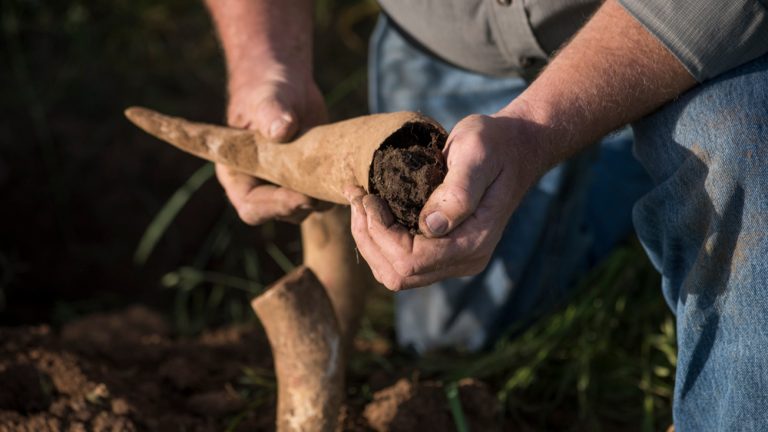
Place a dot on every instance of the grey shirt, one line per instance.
(516, 37)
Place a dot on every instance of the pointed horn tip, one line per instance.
(134, 113)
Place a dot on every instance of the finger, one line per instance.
(257, 202)
(429, 278)
(365, 245)
(397, 260)
(459, 194)
(399, 247)
(376, 209)
(394, 239)
(266, 202)
(396, 244)
(353, 194)
(275, 120)
(382, 268)
(235, 184)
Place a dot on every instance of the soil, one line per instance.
(408, 167)
(124, 371)
(414, 406)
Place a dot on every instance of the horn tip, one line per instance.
(134, 113)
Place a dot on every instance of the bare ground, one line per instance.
(124, 371)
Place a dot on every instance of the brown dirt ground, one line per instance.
(124, 371)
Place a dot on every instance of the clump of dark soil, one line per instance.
(408, 167)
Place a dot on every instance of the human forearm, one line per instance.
(612, 72)
(268, 50)
(259, 34)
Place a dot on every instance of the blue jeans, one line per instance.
(703, 222)
(705, 227)
(573, 217)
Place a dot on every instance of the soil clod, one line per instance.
(406, 170)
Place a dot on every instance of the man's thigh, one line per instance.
(705, 226)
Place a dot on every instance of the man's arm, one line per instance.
(611, 73)
(268, 50)
(259, 36)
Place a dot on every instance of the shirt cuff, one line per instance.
(709, 37)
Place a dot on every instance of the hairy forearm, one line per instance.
(613, 72)
(257, 34)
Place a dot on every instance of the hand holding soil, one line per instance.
(489, 171)
(277, 104)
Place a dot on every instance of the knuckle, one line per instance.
(395, 284)
(470, 121)
(477, 117)
(405, 268)
(249, 215)
(459, 197)
(288, 212)
(290, 200)
(376, 275)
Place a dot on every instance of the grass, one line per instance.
(169, 211)
(604, 360)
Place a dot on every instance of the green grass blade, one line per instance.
(165, 216)
(190, 277)
(280, 258)
(454, 404)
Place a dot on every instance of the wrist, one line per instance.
(537, 140)
(265, 69)
(260, 37)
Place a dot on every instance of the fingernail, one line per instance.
(437, 223)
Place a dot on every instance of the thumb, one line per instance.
(275, 120)
(454, 200)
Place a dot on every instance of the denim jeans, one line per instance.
(703, 220)
(572, 218)
(705, 227)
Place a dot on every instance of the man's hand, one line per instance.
(268, 49)
(613, 72)
(277, 105)
(490, 166)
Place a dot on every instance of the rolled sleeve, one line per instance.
(709, 37)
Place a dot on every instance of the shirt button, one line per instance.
(526, 61)
(504, 2)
